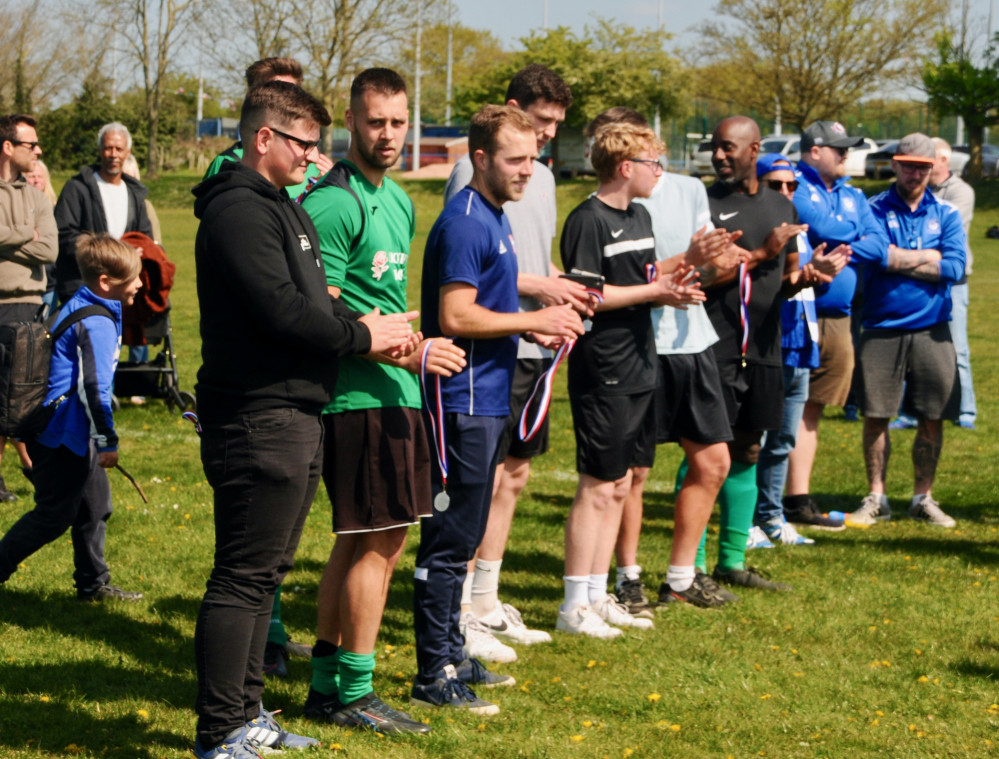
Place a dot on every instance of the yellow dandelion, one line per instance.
(794, 650)
(654, 697)
(765, 697)
(885, 663)
(887, 621)
(918, 652)
(481, 727)
(775, 648)
(922, 679)
(556, 679)
(588, 723)
(880, 713)
(675, 728)
(591, 663)
(567, 698)
(757, 667)
(143, 713)
(575, 738)
(627, 752)
(336, 747)
(389, 648)
(524, 688)
(912, 728)
(799, 674)
(662, 723)
(875, 721)
(44, 699)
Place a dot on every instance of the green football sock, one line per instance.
(275, 631)
(355, 675)
(325, 668)
(738, 505)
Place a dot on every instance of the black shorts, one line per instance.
(376, 468)
(525, 376)
(613, 433)
(689, 401)
(754, 395)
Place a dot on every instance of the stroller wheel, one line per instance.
(187, 400)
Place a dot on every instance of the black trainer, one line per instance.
(474, 672)
(5, 495)
(750, 577)
(708, 582)
(632, 595)
(707, 597)
(108, 592)
(275, 660)
(368, 712)
(810, 516)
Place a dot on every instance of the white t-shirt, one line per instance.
(679, 208)
(114, 198)
(533, 220)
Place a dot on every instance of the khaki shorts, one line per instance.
(829, 385)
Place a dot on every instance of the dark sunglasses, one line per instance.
(778, 185)
(307, 145)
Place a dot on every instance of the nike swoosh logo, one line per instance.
(617, 234)
(501, 627)
(725, 216)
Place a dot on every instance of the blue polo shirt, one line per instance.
(894, 301)
(835, 216)
(471, 242)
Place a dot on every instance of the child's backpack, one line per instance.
(25, 356)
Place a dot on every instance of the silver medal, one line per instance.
(442, 501)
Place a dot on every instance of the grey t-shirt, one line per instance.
(533, 220)
(679, 208)
(961, 195)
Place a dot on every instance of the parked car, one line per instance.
(960, 157)
(878, 163)
(699, 160)
(856, 159)
(788, 144)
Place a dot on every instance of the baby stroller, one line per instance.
(147, 322)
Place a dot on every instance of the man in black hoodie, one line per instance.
(271, 336)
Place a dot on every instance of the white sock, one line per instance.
(576, 592)
(634, 572)
(679, 578)
(485, 586)
(466, 592)
(597, 587)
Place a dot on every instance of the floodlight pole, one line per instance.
(416, 103)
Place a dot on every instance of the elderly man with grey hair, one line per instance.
(101, 198)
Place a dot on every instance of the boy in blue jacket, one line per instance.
(79, 443)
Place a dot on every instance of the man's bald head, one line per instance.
(735, 145)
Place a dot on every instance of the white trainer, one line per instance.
(611, 611)
(505, 623)
(480, 643)
(582, 620)
(873, 509)
(925, 509)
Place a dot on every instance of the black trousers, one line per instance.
(264, 468)
(71, 492)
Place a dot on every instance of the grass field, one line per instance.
(889, 645)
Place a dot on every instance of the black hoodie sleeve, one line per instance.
(280, 286)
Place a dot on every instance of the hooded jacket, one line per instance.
(270, 332)
(80, 209)
(23, 212)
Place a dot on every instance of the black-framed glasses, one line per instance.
(653, 164)
(780, 184)
(307, 145)
(30, 145)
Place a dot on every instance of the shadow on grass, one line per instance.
(81, 730)
(975, 553)
(158, 644)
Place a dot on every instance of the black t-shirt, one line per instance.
(617, 354)
(756, 215)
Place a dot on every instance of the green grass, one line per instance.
(889, 645)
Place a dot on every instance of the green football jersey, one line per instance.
(371, 273)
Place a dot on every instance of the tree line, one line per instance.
(76, 64)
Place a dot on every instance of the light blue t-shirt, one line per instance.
(679, 208)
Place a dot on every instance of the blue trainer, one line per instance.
(233, 746)
(265, 734)
(474, 672)
(448, 690)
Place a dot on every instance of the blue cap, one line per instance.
(773, 162)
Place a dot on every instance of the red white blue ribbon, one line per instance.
(193, 419)
(745, 293)
(526, 430)
(650, 272)
(436, 412)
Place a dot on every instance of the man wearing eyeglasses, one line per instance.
(906, 338)
(28, 237)
(837, 214)
(271, 339)
(101, 198)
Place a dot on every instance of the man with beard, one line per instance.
(101, 198)
(377, 463)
